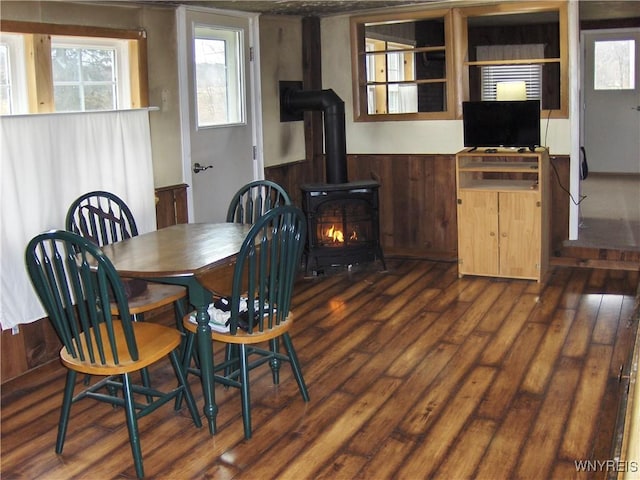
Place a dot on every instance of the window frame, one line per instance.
(457, 55)
(16, 65)
(120, 65)
(235, 82)
(37, 38)
(562, 60)
(359, 72)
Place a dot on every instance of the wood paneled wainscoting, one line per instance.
(36, 343)
(418, 199)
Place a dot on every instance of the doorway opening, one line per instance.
(610, 133)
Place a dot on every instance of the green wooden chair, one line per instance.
(105, 218)
(247, 205)
(74, 281)
(263, 280)
(254, 199)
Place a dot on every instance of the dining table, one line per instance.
(200, 256)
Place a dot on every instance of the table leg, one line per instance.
(201, 298)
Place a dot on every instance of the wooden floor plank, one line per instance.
(538, 456)
(503, 339)
(445, 387)
(543, 364)
(424, 460)
(577, 342)
(503, 452)
(580, 428)
(467, 453)
(507, 382)
(312, 458)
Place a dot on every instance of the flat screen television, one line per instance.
(505, 123)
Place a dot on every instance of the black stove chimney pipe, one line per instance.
(335, 143)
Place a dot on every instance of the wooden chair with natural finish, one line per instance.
(254, 199)
(104, 218)
(264, 274)
(74, 280)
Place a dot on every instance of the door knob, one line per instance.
(197, 168)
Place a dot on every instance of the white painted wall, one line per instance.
(280, 60)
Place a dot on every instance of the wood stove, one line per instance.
(343, 224)
(342, 216)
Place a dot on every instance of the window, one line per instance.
(614, 65)
(403, 66)
(388, 78)
(219, 76)
(12, 75)
(421, 65)
(87, 74)
(51, 67)
(523, 43)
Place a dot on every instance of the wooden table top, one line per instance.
(179, 250)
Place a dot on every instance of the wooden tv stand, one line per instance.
(503, 202)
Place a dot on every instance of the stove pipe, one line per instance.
(332, 107)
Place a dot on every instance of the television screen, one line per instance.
(513, 123)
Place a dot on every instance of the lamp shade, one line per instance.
(511, 90)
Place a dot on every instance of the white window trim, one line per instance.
(123, 87)
(17, 72)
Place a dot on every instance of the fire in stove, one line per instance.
(336, 235)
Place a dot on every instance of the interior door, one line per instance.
(218, 115)
(611, 100)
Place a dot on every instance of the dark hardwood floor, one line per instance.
(413, 373)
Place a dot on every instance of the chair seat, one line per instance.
(154, 342)
(155, 296)
(242, 337)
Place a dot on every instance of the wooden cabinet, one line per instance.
(503, 213)
(171, 205)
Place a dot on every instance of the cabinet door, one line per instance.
(520, 223)
(478, 233)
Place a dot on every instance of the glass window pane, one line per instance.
(430, 65)
(65, 64)
(5, 101)
(432, 97)
(219, 80)
(5, 85)
(99, 97)
(614, 63)
(4, 65)
(67, 98)
(98, 65)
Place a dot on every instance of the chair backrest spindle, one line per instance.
(254, 199)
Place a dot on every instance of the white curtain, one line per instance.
(48, 160)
